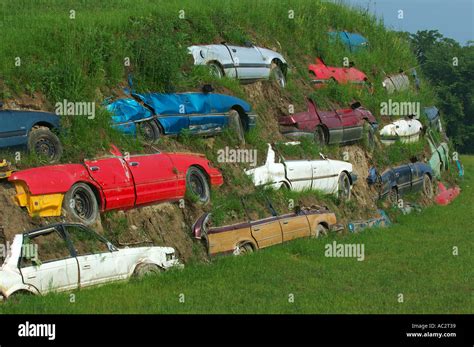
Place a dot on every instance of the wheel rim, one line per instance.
(278, 75)
(393, 197)
(243, 249)
(321, 230)
(345, 188)
(428, 188)
(147, 131)
(83, 205)
(45, 147)
(320, 137)
(197, 185)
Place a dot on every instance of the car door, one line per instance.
(47, 263)
(352, 128)
(113, 176)
(324, 177)
(97, 261)
(12, 130)
(267, 232)
(299, 173)
(249, 62)
(206, 118)
(294, 226)
(403, 177)
(155, 178)
(416, 176)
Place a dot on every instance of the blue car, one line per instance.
(353, 41)
(154, 114)
(32, 130)
(403, 179)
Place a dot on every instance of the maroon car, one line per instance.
(331, 127)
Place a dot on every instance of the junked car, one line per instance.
(353, 41)
(155, 114)
(248, 63)
(397, 82)
(405, 130)
(326, 175)
(114, 182)
(253, 235)
(68, 256)
(33, 130)
(439, 160)
(434, 120)
(332, 126)
(321, 74)
(394, 182)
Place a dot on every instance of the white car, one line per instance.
(326, 175)
(397, 82)
(405, 130)
(68, 256)
(249, 63)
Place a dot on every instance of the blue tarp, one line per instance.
(353, 41)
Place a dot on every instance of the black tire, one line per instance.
(245, 248)
(393, 196)
(215, 70)
(81, 204)
(44, 142)
(344, 187)
(369, 136)
(320, 136)
(197, 184)
(147, 269)
(277, 74)
(321, 231)
(427, 186)
(149, 131)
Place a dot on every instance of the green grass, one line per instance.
(414, 258)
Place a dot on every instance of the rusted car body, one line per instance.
(68, 256)
(329, 127)
(439, 160)
(396, 82)
(445, 195)
(249, 236)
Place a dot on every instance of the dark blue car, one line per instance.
(32, 130)
(402, 179)
(156, 114)
(353, 41)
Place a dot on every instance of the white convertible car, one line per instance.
(68, 256)
(249, 63)
(405, 130)
(326, 175)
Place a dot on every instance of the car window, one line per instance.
(85, 241)
(43, 248)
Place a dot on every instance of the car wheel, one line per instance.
(80, 202)
(44, 142)
(144, 270)
(277, 75)
(236, 124)
(215, 70)
(321, 231)
(344, 187)
(427, 186)
(149, 132)
(245, 248)
(393, 196)
(320, 136)
(196, 183)
(370, 136)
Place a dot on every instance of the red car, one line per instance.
(322, 74)
(115, 182)
(330, 127)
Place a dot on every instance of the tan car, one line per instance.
(250, 236)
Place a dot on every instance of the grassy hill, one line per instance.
(77, 50)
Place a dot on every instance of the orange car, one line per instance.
(250, 236)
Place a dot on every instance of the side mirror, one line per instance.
(356, 105)
(207, 88)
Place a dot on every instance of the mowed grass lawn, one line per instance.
(413, 258)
